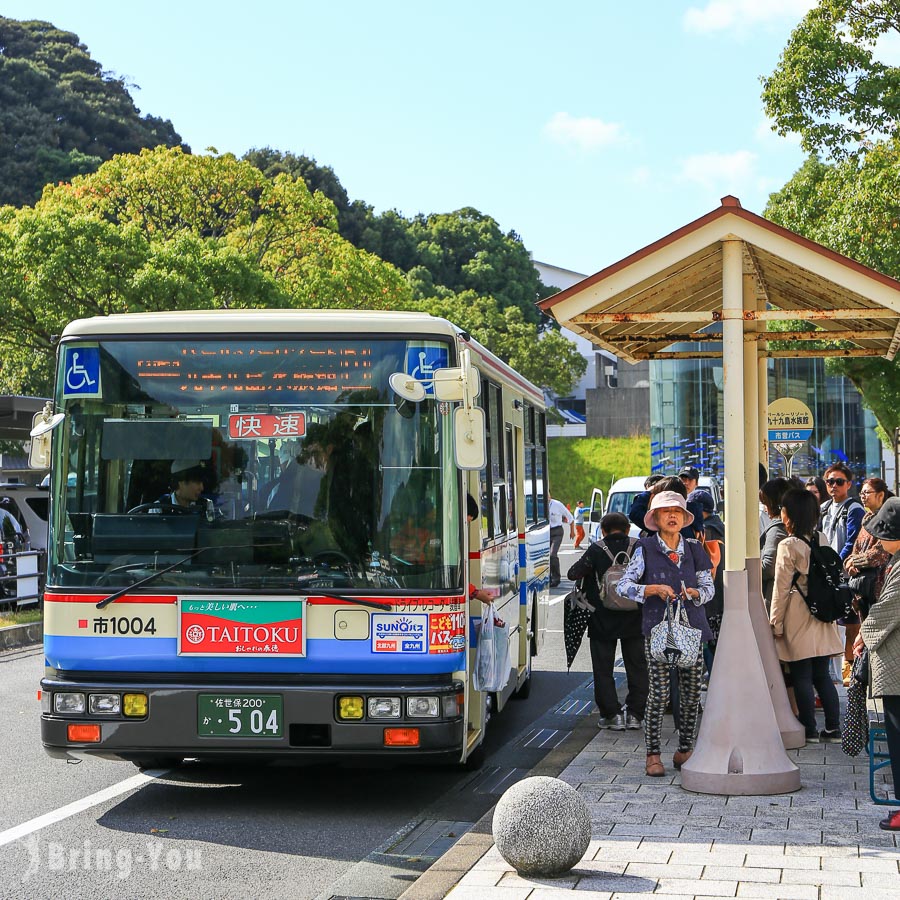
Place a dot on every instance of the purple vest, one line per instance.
(659, 569)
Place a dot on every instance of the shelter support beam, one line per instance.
(739, 749)
(793, 734)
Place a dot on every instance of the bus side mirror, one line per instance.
(42, 426)
(468, 437)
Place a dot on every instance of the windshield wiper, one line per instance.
(349, 598)
(160, 572)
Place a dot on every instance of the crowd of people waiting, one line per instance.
(680, 556)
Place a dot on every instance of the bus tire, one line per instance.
(158, 762)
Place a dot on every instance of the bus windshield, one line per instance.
(282, 465)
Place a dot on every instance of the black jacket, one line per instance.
(605, 624)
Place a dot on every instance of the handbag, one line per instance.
(863, 584)
(855, 734)
(491, 671)
(674, 640)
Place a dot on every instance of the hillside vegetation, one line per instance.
(579, 464)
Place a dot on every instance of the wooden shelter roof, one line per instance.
(671, 292)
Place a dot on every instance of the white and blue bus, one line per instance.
(258, 544)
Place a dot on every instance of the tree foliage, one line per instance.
(165, 230)
(829, 85)
(851, 207)
(61, 115)
(548, 360)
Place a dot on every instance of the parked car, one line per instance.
(29, 505)
(622, 493)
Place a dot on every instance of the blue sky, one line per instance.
(589, 128)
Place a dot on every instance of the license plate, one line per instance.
(240, 715)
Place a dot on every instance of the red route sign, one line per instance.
(250, 426)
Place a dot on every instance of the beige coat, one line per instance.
(798, 634)
(881, 633)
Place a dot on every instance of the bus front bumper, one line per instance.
(226, 720)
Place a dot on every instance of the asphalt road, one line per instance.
(223, 831)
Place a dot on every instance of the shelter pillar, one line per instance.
(793, 734)
(739, 749)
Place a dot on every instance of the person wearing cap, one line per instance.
(662, 567)
(880, 634)
(187, 484)
(690, 478)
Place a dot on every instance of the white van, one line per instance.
(621, 496)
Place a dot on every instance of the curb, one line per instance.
(437, 881)
(15, 636)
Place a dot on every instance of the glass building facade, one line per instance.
(687, 424)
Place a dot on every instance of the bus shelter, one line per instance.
(717, 282)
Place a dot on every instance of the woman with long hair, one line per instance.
(770, 495)
(802, 640)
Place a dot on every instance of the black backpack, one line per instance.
(827, 593)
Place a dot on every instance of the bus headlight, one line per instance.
(135, 705)
(65, 702)
(351, 708)
(104, 704)
(384, 707)
(423, 707)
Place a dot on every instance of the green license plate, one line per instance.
(240, 715)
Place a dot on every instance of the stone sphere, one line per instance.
(542, 826)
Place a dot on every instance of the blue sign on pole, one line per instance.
(789, 435)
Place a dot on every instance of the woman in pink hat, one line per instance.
(661, 563)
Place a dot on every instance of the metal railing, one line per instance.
(21, 576)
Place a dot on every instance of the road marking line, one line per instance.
(72, 809)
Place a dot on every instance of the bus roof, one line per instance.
(283, 322)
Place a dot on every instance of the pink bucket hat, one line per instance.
(661, 501)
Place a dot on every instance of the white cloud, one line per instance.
(729, 171)
(585, 133)
(738, 15)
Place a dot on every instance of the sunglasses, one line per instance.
(835, 481)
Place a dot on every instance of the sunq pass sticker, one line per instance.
(399, 634)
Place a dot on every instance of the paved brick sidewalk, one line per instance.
(651, 838)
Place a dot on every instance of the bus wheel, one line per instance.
(158, 762)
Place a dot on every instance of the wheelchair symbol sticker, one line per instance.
(422, 361)
(82, 372)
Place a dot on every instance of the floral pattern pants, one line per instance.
(658, 700)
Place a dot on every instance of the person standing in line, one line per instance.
(880, 634)
(770, 496)
(868, 554)
(815, 484)
(659, 566)
(641, 502)
(558, 514)
(802, 640)
(608, 627)
(842, 517)
(579, 523)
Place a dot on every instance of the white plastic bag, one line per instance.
(492, 654)
(501, 655)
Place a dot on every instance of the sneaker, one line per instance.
(891, 823)
(618, 722)
(609, 721)
(812, 737)
(632, 722)
(830, 737)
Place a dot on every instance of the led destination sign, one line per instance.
(244, 369)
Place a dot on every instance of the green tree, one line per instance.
(165, 230)
(548, 360)
(60, 114)
(829, 87)
(851, 207)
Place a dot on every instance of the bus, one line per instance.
(258, 542)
